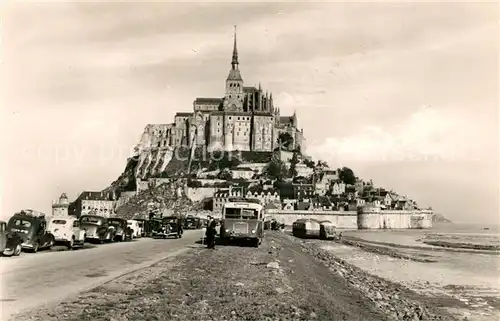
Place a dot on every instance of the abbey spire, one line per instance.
(234, 61)
(234, 73)
(234, 97)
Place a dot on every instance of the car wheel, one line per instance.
(17, 250)
(51, 243)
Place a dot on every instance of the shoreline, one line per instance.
(466, 287)
(431, 247)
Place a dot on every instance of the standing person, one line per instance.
(207, 227)
(211, 231)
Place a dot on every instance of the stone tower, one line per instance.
(61, 206)
(233, 100)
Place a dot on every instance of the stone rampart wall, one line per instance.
(347, 219)
(354, 220)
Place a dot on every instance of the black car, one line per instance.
(31, 229)
(192, 222)
(10, 243)
(171, 226)
(121, 230)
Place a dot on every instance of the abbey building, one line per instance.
(244, 119)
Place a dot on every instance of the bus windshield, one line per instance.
(241, 213)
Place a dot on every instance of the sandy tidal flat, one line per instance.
(467, 285)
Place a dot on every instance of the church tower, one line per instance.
(234, 84)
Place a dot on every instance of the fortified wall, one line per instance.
(341, 219)
(364, 218)
(375, 218)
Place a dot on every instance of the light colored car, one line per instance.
(66, 229)
(136, 228)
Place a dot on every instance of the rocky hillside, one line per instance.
(164, 198)
(439, 218)
(126, 181)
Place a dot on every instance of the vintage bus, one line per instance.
(243, 220)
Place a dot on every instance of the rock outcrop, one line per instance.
(439, 218)
(167, 198)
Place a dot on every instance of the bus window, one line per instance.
(247, 213)
(233, 213)
(241, 213)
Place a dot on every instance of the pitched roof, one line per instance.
(249, 89)
(234, 74)
(183, 114)
(324, 201)
(263, 113)
(222, 194)
(271, 206)
(302, 206)
(285, 120)
(96, 196)
(208, 101)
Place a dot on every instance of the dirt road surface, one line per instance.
(277, 281)
(33, 280)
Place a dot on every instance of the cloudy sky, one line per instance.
(405, 94)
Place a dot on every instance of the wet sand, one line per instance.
(467, 284)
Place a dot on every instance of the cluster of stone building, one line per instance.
(245, 119)
(328, 194)
(98, 203)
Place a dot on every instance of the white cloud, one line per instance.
(427, 135)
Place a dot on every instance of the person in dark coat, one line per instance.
(211, 232)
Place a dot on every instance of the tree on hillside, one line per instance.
(347, 176)
(293, 165)
(322, 165)
(285, 140)
(226, 175)
(222, 160)
(309, 163)
(285, 189)
(276, 169)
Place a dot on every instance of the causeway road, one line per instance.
(33, 280)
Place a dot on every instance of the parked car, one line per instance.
(67, 230)
(327, 230)
(275, 226)
(136, 228)
(97, 228)
(170, 226)
(306, 228)
(31, 227)
(121, 230)
(192, 222)
(143, 225)
(10, 244)
(267, 222)
(154, 226)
